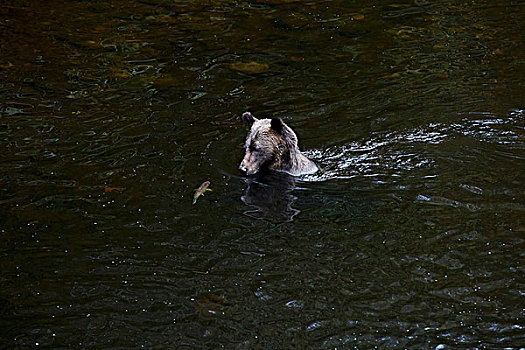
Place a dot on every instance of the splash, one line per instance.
(395, 154)
(387, 154)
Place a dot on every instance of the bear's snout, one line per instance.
(246, 170)
(249, 165)
(243, 169)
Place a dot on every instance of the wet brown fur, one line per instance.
(273, 145)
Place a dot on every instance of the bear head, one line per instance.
(269, 145)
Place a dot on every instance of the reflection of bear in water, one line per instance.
(271, 144)
(269, 193)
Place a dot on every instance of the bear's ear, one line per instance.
(248, 119)
(277, 124)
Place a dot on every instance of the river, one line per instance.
(411, 235)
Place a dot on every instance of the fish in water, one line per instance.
(199, 191)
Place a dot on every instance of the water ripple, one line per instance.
(396, 153)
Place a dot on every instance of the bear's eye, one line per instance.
(252, 148)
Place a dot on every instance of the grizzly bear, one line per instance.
(271, 144)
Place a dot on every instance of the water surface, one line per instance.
(410, 236)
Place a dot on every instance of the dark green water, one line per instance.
(411, 236)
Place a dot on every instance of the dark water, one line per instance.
(411, 236)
